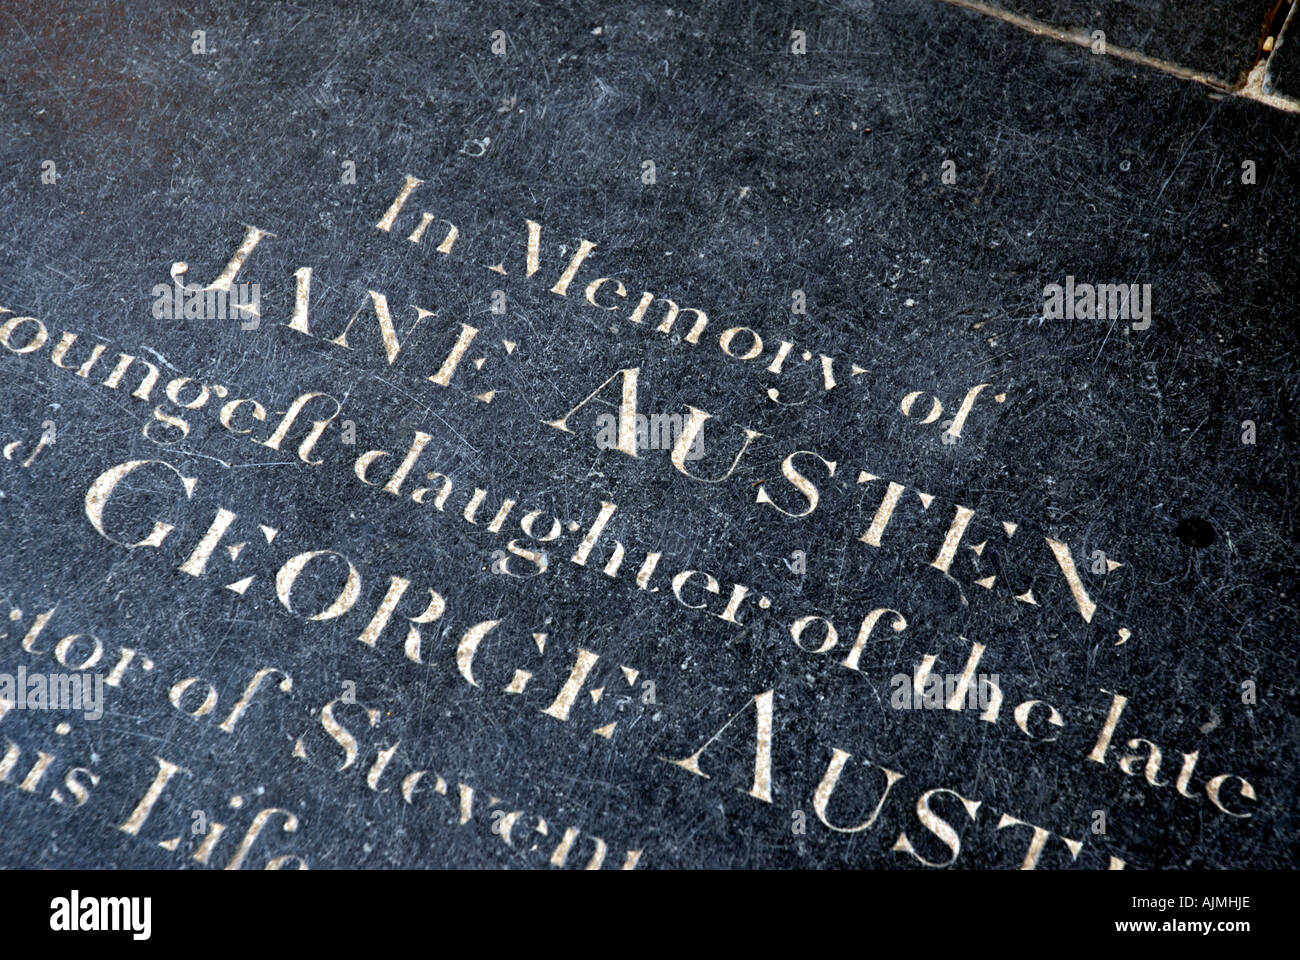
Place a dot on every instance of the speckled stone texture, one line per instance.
(1220, 38)
(1283, 75)
(774, 172)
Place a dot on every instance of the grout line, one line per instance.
(1250, 89)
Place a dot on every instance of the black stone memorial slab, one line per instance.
(624, 436)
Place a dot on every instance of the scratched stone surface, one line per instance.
(774, 172)
(1283, 74)
(1220, 38)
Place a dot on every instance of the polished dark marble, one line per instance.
(1221, 38)
(822, 172)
